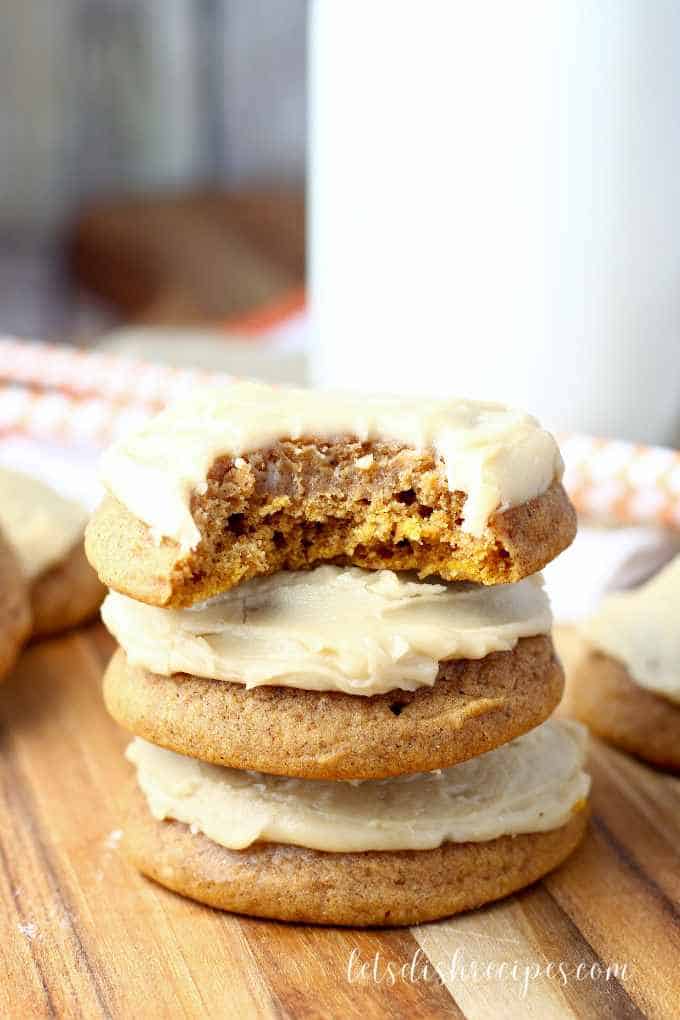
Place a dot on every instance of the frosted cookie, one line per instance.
(474, 705)
(400, 851)
(250, 480)
(626, 686)
(65, 595)
(46, 531)
(602, 694)
(15, 612)
(289, 883)
(336, 672)
(330, 629)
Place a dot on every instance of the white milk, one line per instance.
(495, 204)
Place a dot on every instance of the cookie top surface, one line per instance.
(529, 785)
(331, 628)
(497, 456)
(639, 628)
(42, 525)
(474, 705)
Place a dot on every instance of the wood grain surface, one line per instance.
(83, 935)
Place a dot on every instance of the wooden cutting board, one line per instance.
(83, 935)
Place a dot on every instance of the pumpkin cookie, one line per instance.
(602, 694)
(251, 480)
(362, 632)
(46, 531)
(626, 684)
(15, 612)
(399, 851)
(474, 706)
(66, 595)
(290, 883)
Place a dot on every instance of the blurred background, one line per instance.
(152, 162)
(492, 193)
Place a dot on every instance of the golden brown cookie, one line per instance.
(300, 504)
(66, 595)
(290, 883)
(602, 694)
(15, 612)
(474, 706)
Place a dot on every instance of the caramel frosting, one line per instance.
(640, 629)
(497, 456)
(330, 629)
(42, 526)
(532, 784)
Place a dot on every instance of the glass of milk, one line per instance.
(495, 205)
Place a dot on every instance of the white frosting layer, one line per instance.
(532, 784)
(640, 629)
(330, 629)
(497, 456)
(42, 526)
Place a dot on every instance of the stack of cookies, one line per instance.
(333, 654)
